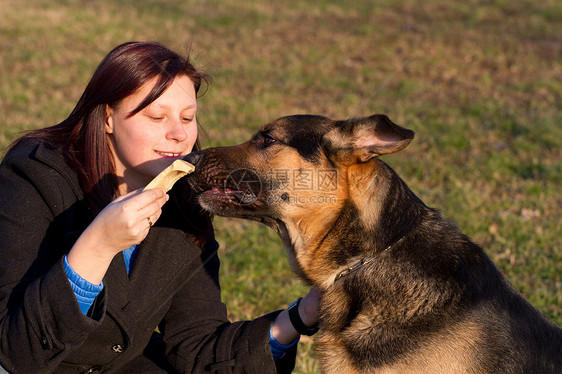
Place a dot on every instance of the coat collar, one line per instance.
(163, 257)
(53, 158)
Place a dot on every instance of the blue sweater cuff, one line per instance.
(279, 349)
(84, 291)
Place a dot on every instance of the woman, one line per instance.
(85, 277)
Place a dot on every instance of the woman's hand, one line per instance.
(309, 306)
(282, 329)
(121, 224)
(126, 220)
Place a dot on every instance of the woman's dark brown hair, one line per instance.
(82, 137)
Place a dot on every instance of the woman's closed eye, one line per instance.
(155, 117)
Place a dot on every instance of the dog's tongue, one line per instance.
(243, 197)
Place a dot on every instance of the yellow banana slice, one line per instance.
(170, 175)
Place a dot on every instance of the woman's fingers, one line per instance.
(139, 198)
(310, 306)
(139, 205)
(127, 219)
(153, 205)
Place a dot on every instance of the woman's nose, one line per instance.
(177, 131)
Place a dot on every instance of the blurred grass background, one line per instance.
(480, 82)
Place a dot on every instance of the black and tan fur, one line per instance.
(404, 290)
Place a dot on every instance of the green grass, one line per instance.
(479, 82)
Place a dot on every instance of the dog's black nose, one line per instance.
(193, 158)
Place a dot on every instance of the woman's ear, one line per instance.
(109, 119)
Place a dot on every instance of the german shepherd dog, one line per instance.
(403, 290)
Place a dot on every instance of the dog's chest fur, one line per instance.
(422, 302)
(424, 299)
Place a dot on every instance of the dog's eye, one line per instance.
(268, 140)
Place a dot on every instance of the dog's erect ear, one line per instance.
(361, 139)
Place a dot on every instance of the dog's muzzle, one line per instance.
(193, 158)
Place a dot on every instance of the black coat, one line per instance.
(173, 285)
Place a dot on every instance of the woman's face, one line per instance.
(145, 144)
